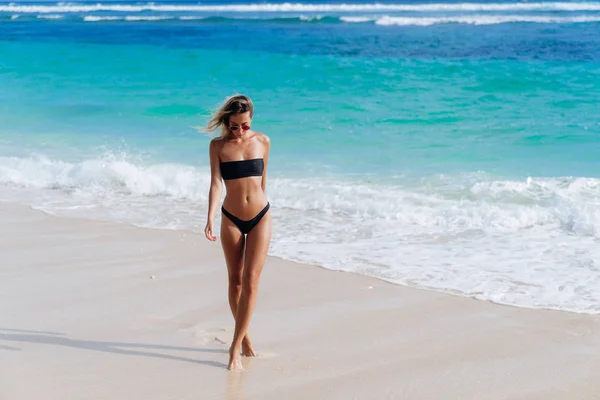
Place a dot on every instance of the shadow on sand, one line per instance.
(132, 349)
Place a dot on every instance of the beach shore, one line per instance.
(99, 310)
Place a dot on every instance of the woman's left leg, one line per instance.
(257, 246)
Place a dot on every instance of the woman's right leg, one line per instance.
(233, 243)
(257, 246)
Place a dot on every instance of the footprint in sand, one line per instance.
(219, 340)
(211, 336)
(265, 355)
(222, 337)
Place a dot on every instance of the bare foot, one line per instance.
(235, 360)
(247, 350)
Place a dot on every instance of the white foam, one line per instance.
(358, 19)
(309, 18)
(483, 20)
(93, 18)
(383, 20)
(301, 7)
(107, 175)
(533, 242)
(147, 18)
(52, 16)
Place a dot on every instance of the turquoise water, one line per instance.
(449, 146)
(351, 114)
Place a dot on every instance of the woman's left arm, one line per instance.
(267, 143)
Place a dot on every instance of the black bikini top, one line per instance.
(242, 168)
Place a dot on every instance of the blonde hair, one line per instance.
(237, 104)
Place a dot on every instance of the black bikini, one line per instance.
(245, 226)
(243, 169)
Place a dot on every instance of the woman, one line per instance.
(239, 156)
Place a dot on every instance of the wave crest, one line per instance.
(302, 7)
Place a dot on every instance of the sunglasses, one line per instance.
(244, 127)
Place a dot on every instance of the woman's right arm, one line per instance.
(216, 189)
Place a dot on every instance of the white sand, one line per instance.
(81, 318)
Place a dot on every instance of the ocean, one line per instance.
(442, 145)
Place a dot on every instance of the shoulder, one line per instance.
(216, 143)
(263, 139)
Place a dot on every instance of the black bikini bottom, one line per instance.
(245, 226)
